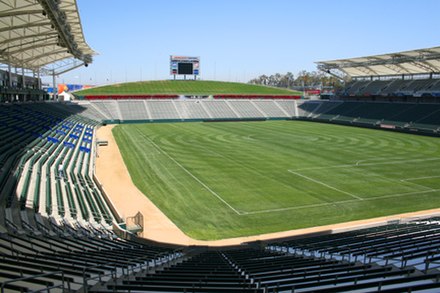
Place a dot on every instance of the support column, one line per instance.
(55, 89)
(9, 96)
(10, 76)
(38, 79)
(17, 96)
(23, 79)
(40, 96)
(23, 84)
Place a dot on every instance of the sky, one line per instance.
(238, 40)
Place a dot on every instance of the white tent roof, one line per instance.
(34, 34)
(407, 62)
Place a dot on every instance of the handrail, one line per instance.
(11, 225)
(62, 285)
(141, 263)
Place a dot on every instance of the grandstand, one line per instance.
(123, 111)
(59, 232)
(409, 76)
(411, 89)
(399, 116)
(413, 117)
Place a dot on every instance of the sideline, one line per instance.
(326, 185)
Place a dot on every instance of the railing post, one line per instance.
(85, 289)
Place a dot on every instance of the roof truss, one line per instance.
(407, 62)
(36, 34)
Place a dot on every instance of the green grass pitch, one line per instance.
(221, 180)
(199, 87)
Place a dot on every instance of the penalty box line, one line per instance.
(341, 202)
(326, 185)
(410, 180)
(361, 163)
(191, 174)
(420, 178)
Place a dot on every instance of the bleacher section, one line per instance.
(270, 109)
(413, 243)
(220, 110)
(390, 258)
(162, 110)
(45, 165)
(187, 109)
(416, 117)
(306, 109)
(191, 110)
(130, 97)
(89, 112)
(410, 88)
(246, 109)
(258, 97)
(109, 108)
(69, 262)
(134, 110)
(422, 117)
(399, 257)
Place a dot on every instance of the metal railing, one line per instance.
(119, 269)
(49, 286)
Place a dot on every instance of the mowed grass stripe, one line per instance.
(255, 178)
(199, 87)
(192, 175)
(247, 163)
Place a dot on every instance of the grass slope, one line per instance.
(220, 180)
(181, 87)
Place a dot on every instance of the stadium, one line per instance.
(186, 185)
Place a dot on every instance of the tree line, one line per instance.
(312, 79)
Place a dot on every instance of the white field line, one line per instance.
(409, 180)
(380, 159)
(340, 202)
(326, 185)
(190, 174)
(420, 185)
(420, 178)
(249, 137)
(367, 164)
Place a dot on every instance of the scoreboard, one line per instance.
(184, 65)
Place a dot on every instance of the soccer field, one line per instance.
(221, 180)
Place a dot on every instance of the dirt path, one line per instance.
(128, 200)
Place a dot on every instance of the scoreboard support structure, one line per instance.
(184, 65)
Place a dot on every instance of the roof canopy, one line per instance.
(42, 35)
(407, 62)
